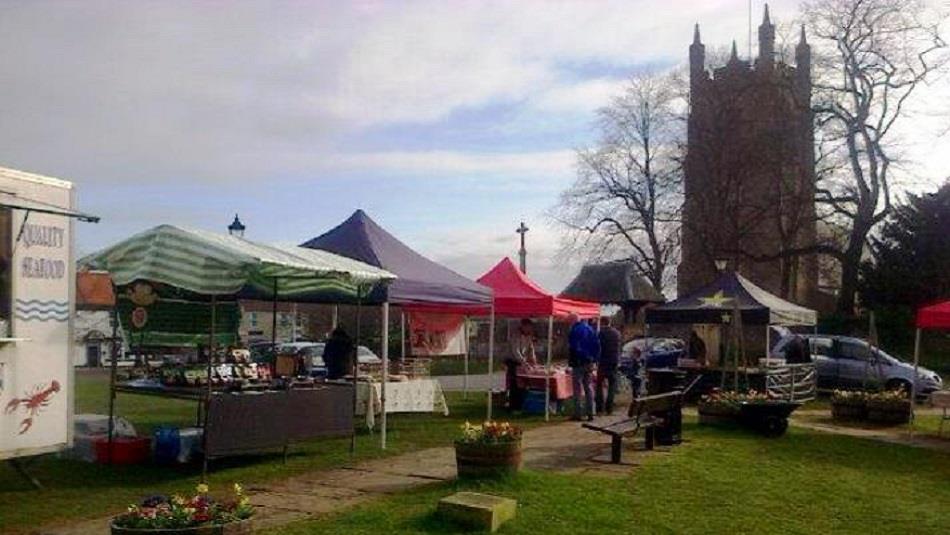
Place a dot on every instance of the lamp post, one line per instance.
(236, 228)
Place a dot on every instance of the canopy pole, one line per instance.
(113, 370)
(491, 355)
(273, 322)
(334, 317)
(384, 351)
(207, 400)
(465, 358)
(547, 369)
(402, 336)
(355, 369)
(913, 383)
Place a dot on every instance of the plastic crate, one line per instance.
(534, 403)
(125, 450)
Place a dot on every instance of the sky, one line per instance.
(449, 121)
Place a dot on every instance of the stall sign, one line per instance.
(433, 334)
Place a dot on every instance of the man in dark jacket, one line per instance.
(338, 354)
(610, 339)
(584, 350)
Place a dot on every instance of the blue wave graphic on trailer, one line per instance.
(40, 310)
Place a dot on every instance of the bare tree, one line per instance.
(627, 198)
(871, 56)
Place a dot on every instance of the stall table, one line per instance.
(414, 395)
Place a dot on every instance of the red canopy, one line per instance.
(517, 295)
(934, 317)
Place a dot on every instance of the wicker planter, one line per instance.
(480, 460)
(889, 412)
(233, 528)
(849, 411)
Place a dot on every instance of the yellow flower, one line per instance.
(202, 488)
(238, 489)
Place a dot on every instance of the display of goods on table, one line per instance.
(752, 409)
(492, 449)
(200, 514)
(248, 374)
(849, 405)
(891, 407)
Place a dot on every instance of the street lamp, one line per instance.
(236, 228)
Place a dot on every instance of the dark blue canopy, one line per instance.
(421, 282)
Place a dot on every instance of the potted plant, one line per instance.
(488, 450)
(199, 514)
(890, 407)
(849, 405)
(718, 407)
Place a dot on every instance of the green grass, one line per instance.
(721, 481)
(456, 366)
(79, 490)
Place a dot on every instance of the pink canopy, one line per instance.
(934, 317)
(517, 295)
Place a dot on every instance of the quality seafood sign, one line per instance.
(35, 370)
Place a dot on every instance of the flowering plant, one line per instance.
(728, 397)
(175, 512)
(490, 433)
(849, 397)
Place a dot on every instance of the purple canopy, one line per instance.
(421, 283)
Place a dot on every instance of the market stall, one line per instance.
(734, 302)
(178, 286)
(517, 296)
(408, 396)
(436, 298)
(37, 304)
(933, 317)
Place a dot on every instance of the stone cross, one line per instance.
(523, 253)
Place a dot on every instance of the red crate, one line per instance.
(125, 450)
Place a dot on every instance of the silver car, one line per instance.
(846, 362)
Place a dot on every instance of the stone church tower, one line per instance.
(750, 170)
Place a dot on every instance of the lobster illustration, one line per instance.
(32, 403)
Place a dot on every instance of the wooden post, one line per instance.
(207, 400)
(355, 369)
(913, 383)
(112, 372)
(385, 356)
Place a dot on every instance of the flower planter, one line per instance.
(849, 410)
(479, 460)
(232, 528)
(889, 412)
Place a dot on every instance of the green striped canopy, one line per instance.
(217, 264)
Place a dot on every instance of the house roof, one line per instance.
(94, 290)
(611, 283)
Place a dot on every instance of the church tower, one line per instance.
(750, 169)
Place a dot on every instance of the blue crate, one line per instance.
(534, 403)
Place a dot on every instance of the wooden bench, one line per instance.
(641, 416)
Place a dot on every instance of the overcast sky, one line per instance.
(447, 121)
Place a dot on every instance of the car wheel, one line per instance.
(898, 384)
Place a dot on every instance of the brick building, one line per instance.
(750, 170)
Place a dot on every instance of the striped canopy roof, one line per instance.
(218, 264)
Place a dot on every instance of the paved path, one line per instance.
(821, 421)
(565, 447)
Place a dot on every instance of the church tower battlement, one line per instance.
(750, 169)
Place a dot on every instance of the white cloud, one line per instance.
(455, 163)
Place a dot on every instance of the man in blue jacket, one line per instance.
(584, 350)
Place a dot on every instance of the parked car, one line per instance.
(313, 352)
(660, 352)
(846, 362)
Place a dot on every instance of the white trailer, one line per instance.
(37, 307)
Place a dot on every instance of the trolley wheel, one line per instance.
(773, 426)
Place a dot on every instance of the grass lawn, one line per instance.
(721, 481)
(79, 490)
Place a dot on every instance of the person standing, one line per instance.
(522, 352)
(584, 350)
(610, 339)
(338, 354)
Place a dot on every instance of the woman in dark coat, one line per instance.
(338, 354)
